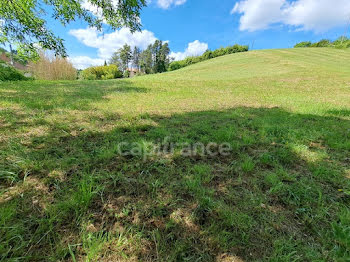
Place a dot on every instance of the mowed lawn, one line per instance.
(282, 193)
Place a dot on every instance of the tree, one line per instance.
(160, 56)
(115, 60)
(154, 59)
(136, 57)
(22, 22)
(146, 60)
(156, 55)
(164, 58)
(125, 56)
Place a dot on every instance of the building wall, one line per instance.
(17, 65)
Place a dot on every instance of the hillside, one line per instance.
(295, 79)
(264, 63)
(87, 172)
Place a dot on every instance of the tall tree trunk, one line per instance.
(11, 54)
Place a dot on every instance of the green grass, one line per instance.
(282, 194)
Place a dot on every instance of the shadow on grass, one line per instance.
(277, 197)
(339, 113)
(65, 94)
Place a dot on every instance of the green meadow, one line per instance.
(281, 194)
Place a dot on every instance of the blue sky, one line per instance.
(192, 26)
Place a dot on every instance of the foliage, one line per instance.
(207, 55)
(101, 73)
(146, 60)
(136, 57)
(122, 57)
(322, 43)
(23, 21)
(115, 60)
(9, 73)
(126, 74)
(161, 53)
(303, 44)
(341, 42)
(53, 68)
(154, 59)
(16, 55)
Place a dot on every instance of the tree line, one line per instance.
(208, 55)
(341, 42)
(154, 59)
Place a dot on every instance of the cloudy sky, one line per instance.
(193, 26)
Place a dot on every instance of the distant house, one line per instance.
(132, 71)
(17, 65)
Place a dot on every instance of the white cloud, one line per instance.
(94, 9)
(107, 44)
(165, 4)
(82, 62)
(258, 14)
(314, 15)
(195, 48)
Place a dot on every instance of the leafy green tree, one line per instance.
(160, 54)
(156, 55)
(115, 60)
(154, 59)
(164, 58)
(22, 22)
(136, 57)
(125, 56)
(146, 60)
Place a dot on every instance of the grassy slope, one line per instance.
(281, 195)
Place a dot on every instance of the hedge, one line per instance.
(207, 55)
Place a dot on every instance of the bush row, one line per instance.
(101, 72)
(9, 73)
(207, 55)
(341, 42)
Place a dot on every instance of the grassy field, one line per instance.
(281, 194)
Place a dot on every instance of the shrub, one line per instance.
(101, 72)
(207, 55)
(219, 52)
(322, 43)
(53, 68)
(303, 44)
(9, 73)
(175, 65)
(341, 42)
